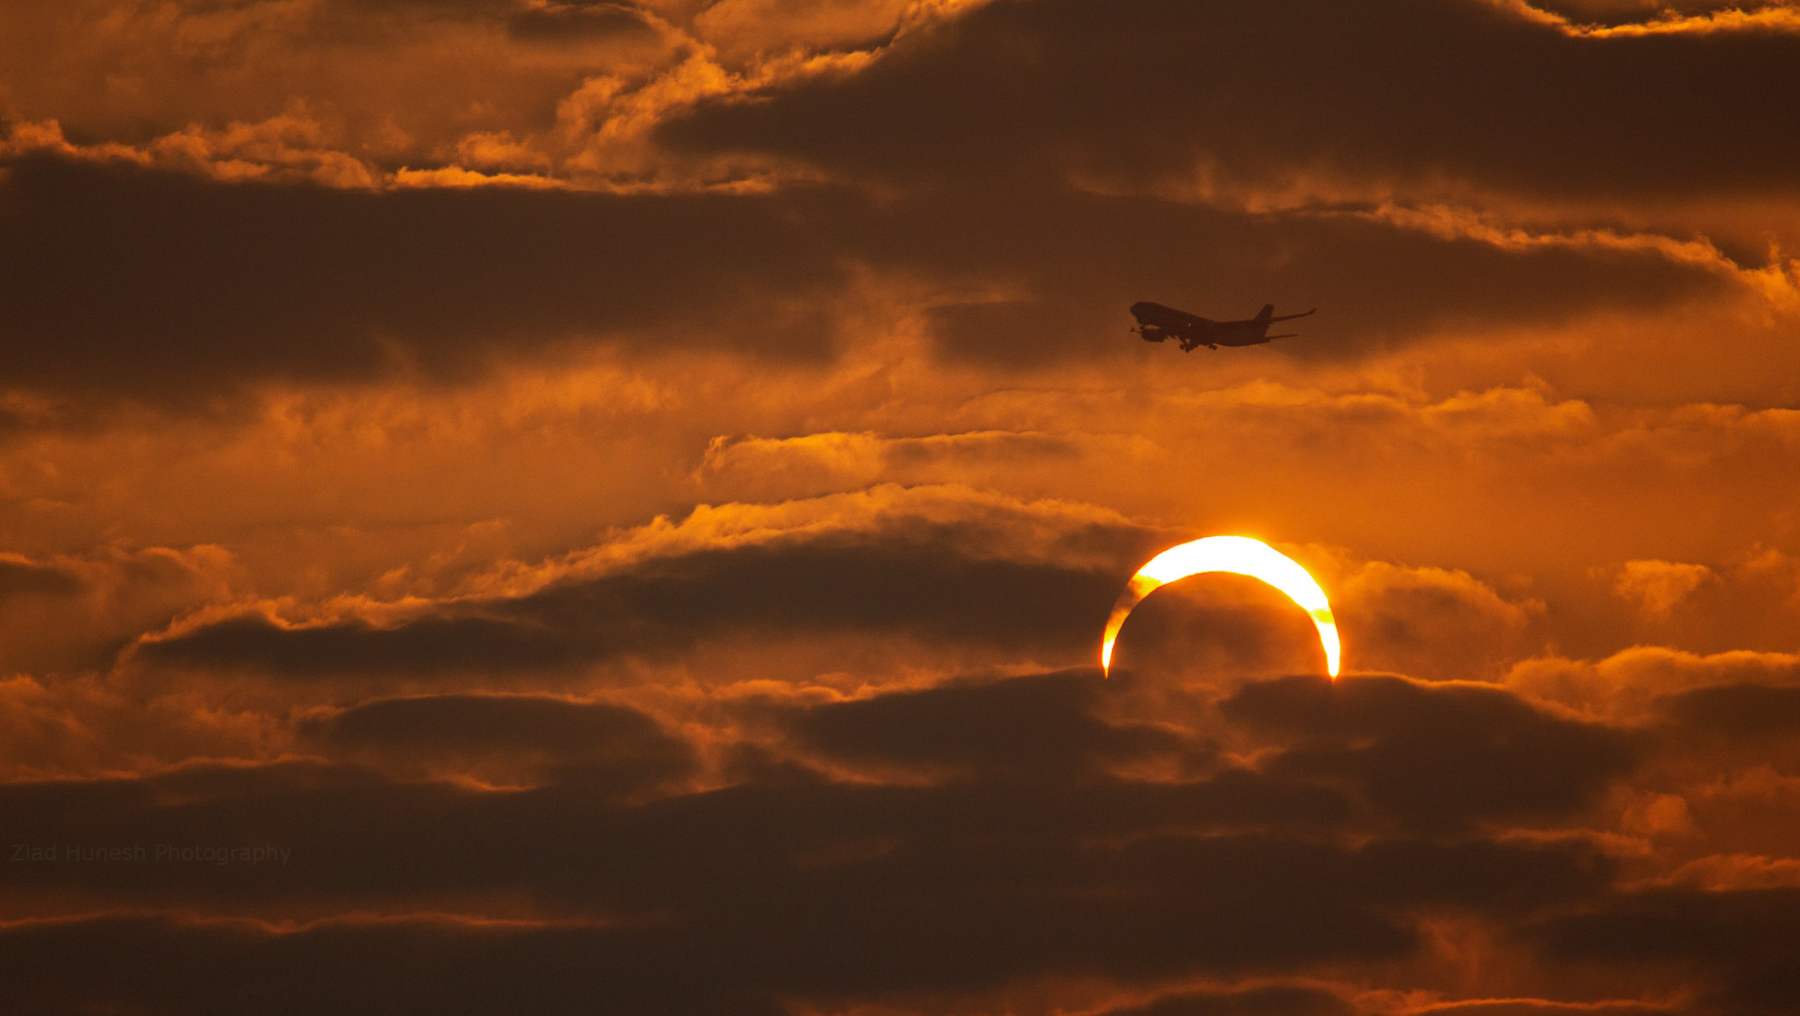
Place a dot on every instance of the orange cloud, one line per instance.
(1658, 587)
(1771, 18)
(1627, 683)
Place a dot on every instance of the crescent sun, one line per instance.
(1240, 555)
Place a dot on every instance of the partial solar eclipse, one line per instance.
(1239, 555)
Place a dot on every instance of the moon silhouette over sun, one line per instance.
(1239, 555)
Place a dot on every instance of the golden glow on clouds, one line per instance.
(1239, 555)
(1771, 18)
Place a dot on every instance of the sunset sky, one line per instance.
(560, 506)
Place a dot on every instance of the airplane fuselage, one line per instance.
(1157, 323)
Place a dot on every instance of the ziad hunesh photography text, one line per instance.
(149, 853)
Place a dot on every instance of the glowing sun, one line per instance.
(1240, 555)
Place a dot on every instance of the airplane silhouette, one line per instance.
(1156, 323)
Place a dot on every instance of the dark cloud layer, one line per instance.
(367, 966)
(1543, 1007)
(951, 887)
(1403, 90)
(1731, 711)
(358, 649)
(1041, 728)
(898, 582)
(20, 577)
(607, 747)
(1248, 1002)
(1435, 755)
(1009, 850)
(1737, 941)
(576, 22)
(172, 288)
(155, 283)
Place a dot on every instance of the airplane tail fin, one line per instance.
(1268, 311)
